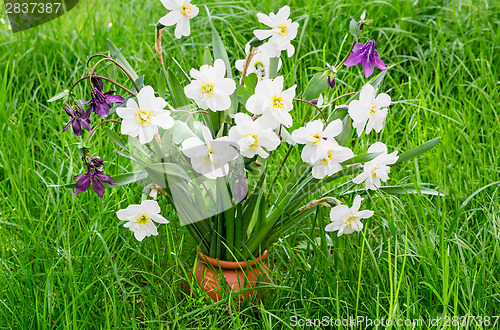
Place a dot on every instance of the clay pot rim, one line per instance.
(231, 264)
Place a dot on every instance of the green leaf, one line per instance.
(140, 82)
(244, 92)
(315, 87)
(162, 85)
(273, 67)
(118, 57)
(180, 132)
(353, 27)
(59, 96)
(344, 136)
(251, 82)
(207, 57)
(115, 138)
(376, 81)
(177, 94)
(401, 190)
(417, 151)
(127, 178)
(407, 190)
(361, 158)
(170, 169)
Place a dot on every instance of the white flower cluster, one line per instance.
(256, 134)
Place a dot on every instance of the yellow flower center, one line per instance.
(207, 157)
(278, 102)
(258, 65)
(143, 117)
(186, 10)
(330, 157)
(373, 110)
(317, 138)
(374, 172)
(350, 219)
(254, 145)
(207, 89)
(143, 219)
(283, 30)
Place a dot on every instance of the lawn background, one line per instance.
(66, 262)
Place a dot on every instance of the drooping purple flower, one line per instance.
(367, 56)
(79, 118)
(93, 177)
(101, 102)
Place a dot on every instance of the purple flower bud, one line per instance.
(96, 162)
(331, 82)
(240, 191)
(367, 56)
(97, 82)
(315, 101)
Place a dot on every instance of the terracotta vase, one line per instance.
(217, 277)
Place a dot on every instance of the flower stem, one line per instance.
(336, 99)
(95, 128)
(105, 78)
(118, 65)
(290, 148)
(314, 105)
(248, 59)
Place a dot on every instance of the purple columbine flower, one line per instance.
(101, 103)
(93, 177)
(367, 56)
(79, 118)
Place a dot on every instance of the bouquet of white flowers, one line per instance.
(208, 145)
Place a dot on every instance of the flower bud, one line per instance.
(255, 42)
(325, 74)
(331, 82)
(96, 162)
(240, 190)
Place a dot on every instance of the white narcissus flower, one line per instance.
(282, 32)
(140, 218)
(210, 90)
(370, 110)
(347, 220)
(377, 170)
(211, 157)
(259, 63)
(330, 163)
(142, 118)
(181, 12)
(272, 102)
(317, 141)
(253, 136)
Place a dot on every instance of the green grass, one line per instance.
(66, 262)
